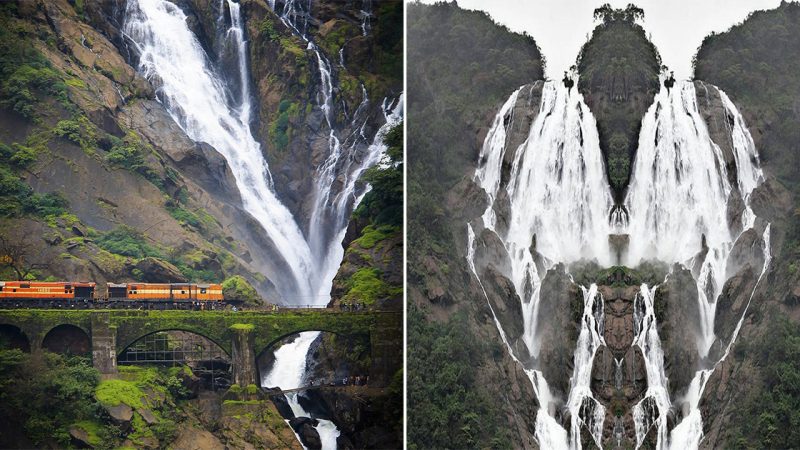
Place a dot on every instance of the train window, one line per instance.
(15, 289)
(25, 286)
(202, 290)
(183, 292)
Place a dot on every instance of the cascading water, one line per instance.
(559, 199)
(678, 203)
(348, 157)
(289, 372)
(679, 194)
(653, 408)
(584, 409)
(557, 189)
(195, 96)
(677, 212)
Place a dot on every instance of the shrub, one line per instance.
(126, 241)
(238, 288)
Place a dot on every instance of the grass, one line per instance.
(371, 235)
(117, 392)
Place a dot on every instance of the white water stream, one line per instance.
(196, 96)
(348, 156)
(289, 372)
(171, 56)
(559, 208)
(559, 198)
(679, 194)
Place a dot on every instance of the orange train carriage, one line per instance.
(21, 290)
(46, 290)
(165, 291)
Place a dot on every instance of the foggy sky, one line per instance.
(560, 27)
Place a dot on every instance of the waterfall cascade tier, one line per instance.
(214, 105)
(195, 94)
(550, 203)
(289, 372)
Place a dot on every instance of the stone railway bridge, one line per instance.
(242, 335)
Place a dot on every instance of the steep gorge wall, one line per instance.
(117, 158)
(467, 66)
(755, 63)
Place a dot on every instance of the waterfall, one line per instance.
(584, 409)
(653, 408)
(195, 96)
(678, 203)
(680, 191)
(348, 156)
(366, 16)
(558, 193)
(559, 199)
(289, 372)
(689, 432)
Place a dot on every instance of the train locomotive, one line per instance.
(150, 295)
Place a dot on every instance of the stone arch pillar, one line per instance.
(243, 355)
(104, 344)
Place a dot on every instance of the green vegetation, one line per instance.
(237, 287)
(388, 30)
(371, 235)
(242, 327)
(618, 50)
(24, 71)
(383, 204)
(130, 153)
(41, 395)
(267, 29)
(116, 392)
(447, 408)
(366, 286)
(126, 241)
(280, 129)
(79, 131)
(771, 411)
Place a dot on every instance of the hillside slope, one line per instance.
(756, 64)
(464, 389)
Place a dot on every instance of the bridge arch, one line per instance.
(67, 339)
(327, 366)
(270, 344)
(125, 345)
(12, 337)
(208, 360)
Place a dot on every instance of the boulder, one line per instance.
(304, 427)
(155, 270)
(147, 415)
(196, 439)
(120, 414)
(79, 437)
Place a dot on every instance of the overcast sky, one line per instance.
(560, 27)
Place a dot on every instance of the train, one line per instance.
(57, 293)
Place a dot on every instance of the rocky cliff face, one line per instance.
(467, 67)
(618, 70)
(118, 160)
(106, 146)
(289, 90)
(738, 405)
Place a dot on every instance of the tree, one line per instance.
(21, 254)
(607, 14)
